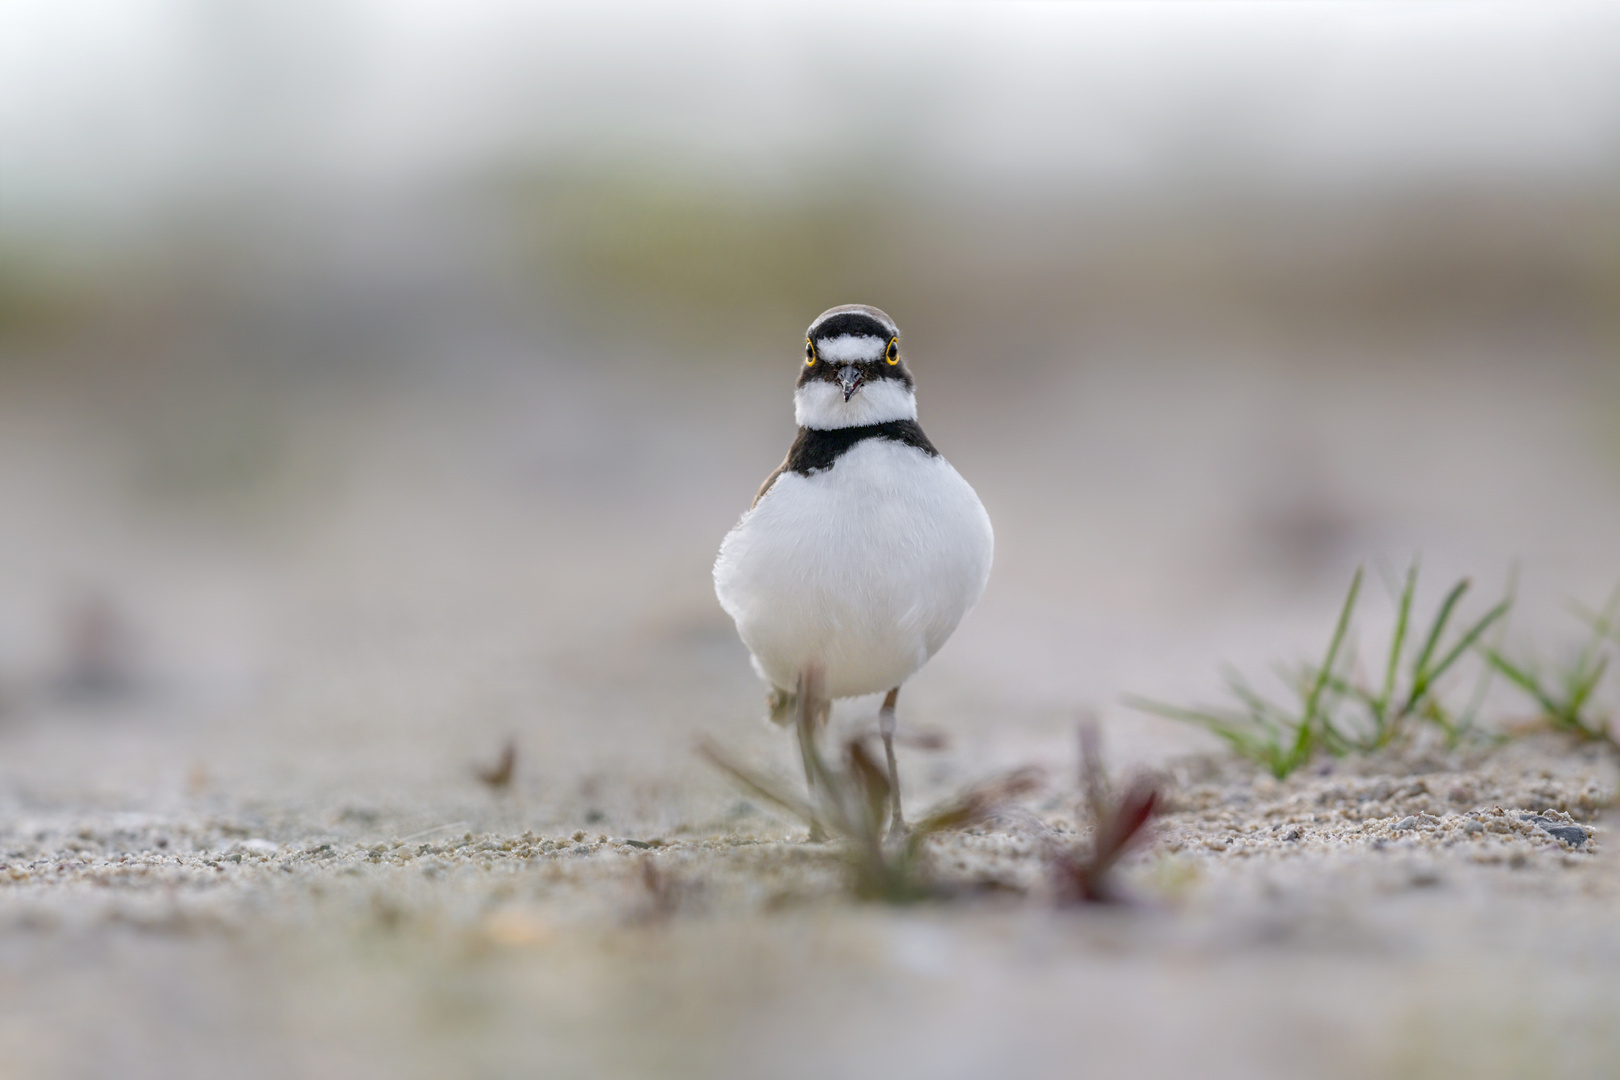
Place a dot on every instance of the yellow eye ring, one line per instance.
(809, 352)
(892, 354)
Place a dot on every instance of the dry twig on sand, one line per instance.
(499, 776)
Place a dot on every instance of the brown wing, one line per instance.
(771, 479)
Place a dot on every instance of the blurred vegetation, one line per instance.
(635, 253)
(659, 257)
(172, 358)
(662, 257)
(40, 296)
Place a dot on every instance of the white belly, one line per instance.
(863, 569)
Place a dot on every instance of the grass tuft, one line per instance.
(1408, 691)
(1566, 696)
(850, 802)
(1279, 737)
(1336, 709)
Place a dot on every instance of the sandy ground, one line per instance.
(1413, 916)
(266, 853)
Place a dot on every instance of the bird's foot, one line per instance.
(898, 830)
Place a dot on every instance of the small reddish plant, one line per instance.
(1082, 873)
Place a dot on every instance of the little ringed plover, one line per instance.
(863, 550)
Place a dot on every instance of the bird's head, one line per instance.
(853, 371)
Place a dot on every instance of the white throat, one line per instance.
(821, 404)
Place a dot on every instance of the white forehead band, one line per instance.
(846, 348)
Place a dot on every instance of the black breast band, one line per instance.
(817, 448)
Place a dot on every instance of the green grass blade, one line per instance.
(1176, 712)
(1582, 691)
(1261, 711)
(1487, 673)
(1523, 680)
(1217, 722)
(1347, 689)
(1397, 645)
(1601, 623)
(1313, 702)
(1610, 616)
(1441, 617)
(1229, 728)
(1463, 644)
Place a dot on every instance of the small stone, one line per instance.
(1471, 827)
(1290, 833)
(1573, 835)
(1406, 823)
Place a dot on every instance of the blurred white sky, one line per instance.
(113, 109)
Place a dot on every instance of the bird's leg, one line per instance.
(817, 834)
(812, 713)
(897, 821)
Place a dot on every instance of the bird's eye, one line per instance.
(809, 351)
(893, 353)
